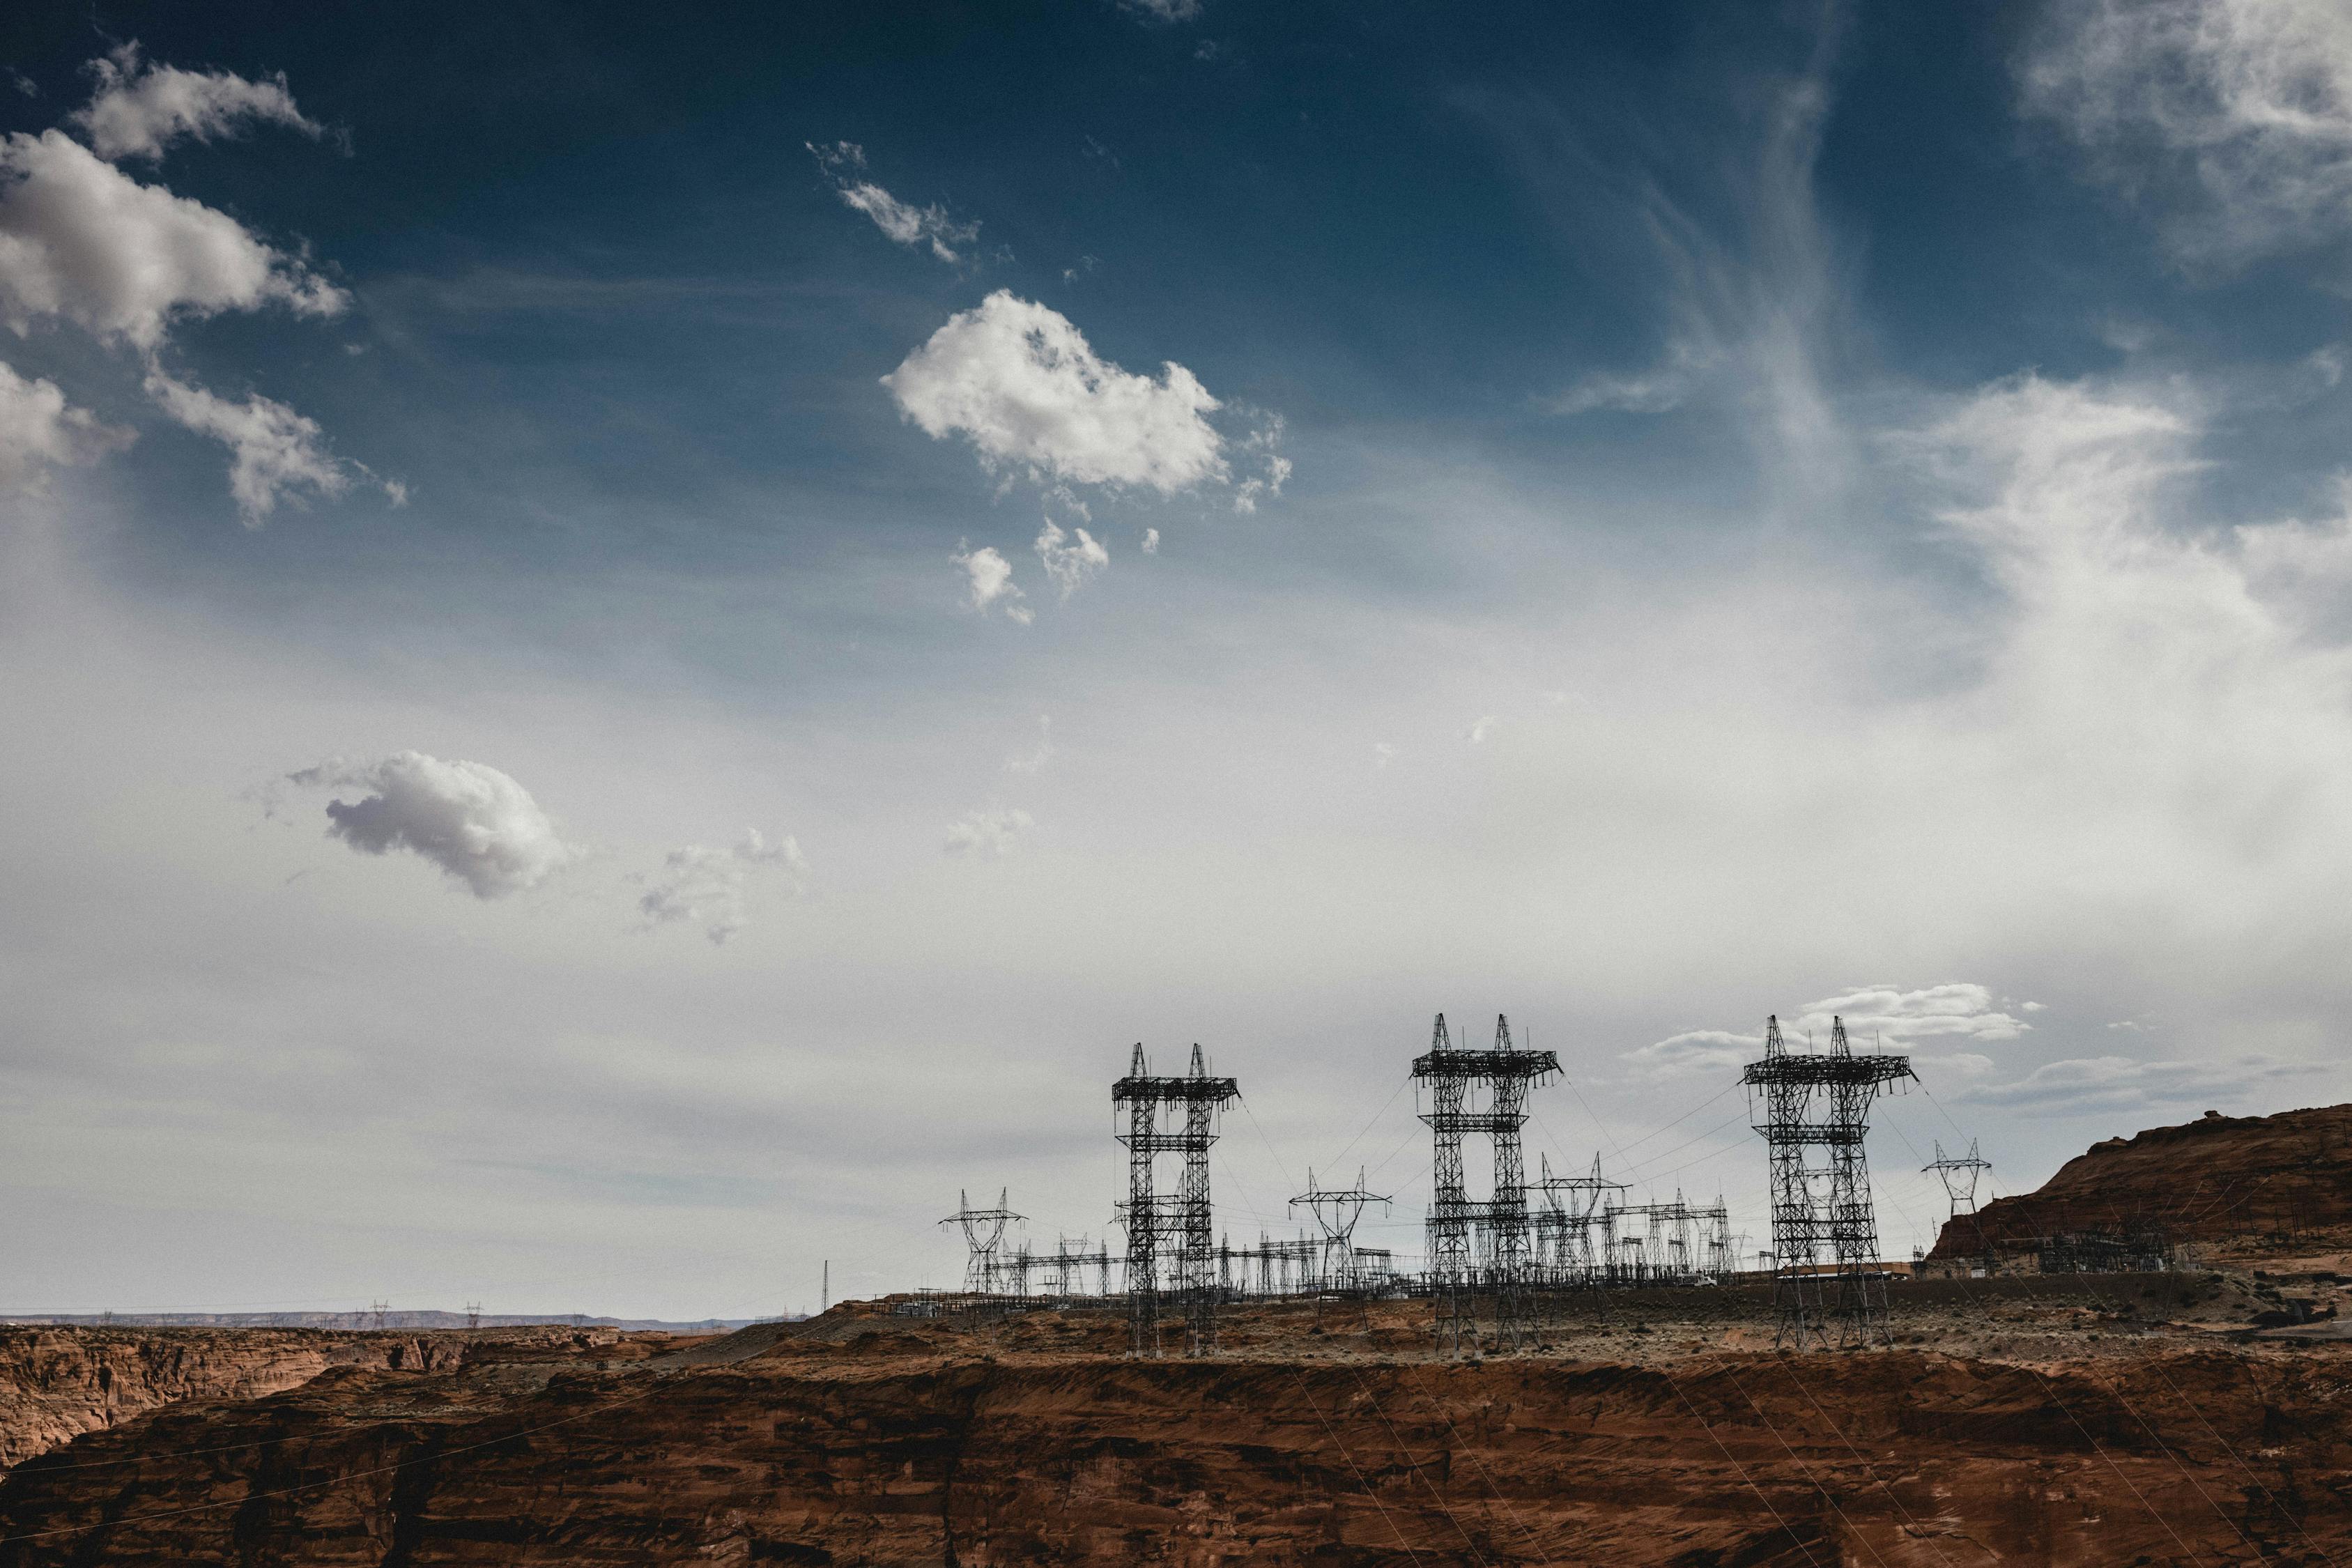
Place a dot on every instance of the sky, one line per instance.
(635, 649)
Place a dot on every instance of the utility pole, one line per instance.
(473, 1316)
(825, 1296)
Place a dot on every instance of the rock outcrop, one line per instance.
(925, 1445)
(2236, 1182)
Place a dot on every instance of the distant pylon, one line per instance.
(1336, 1212)
(1959, 1173)
(983, 1234)
(379, 1309)
(473, 1315)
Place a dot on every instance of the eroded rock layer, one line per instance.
(2241, 1183)
(892, 1445)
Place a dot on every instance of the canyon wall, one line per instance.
(882, 1449)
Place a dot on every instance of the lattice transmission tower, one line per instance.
(1801, 1101)
(1171, 1238)
(983, 1236)
(1473, 1244)
(1336, 1212)
(1959, 1173)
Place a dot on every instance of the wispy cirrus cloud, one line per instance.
(2230, 121)
(140, 108)
(844, 164)
(710, 887)
(2082, 1084)
(988, 833)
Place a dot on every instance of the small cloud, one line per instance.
(1151, 542)
(1036, 760)
(1694, 1051)
(1020, 383)
(989, 577)
(989, 834)
(276, 454)
(475, 823)
(1086, 264)
(40, 431)
(1383, 755)
(1480, 728)
(140, 109)
(1162, 11)
(2030, 1006)
(901, 221)
(1275, 470)
(2133, 1025)
(708, 887)
(86, 243)
(1898, 1017)
(1068, 564)
(26, 86)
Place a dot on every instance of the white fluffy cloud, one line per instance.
(708, 887)
(82, 240)
(2233, 116)
(987, 833)
(1958, 1010)
(39, 431)
(1898, 1017)
(278, 453)
(845, 162)
(1019, 382)
(140, 108)
(988, 579)
(1069, 562)
(474, 822)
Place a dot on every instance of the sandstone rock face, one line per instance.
(2226, 1181)
(57, 1383)
(908, 1448)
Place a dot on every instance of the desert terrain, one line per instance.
(2183, 1417)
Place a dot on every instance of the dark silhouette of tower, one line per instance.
(1475, 1244)
(1804, 1102)
(1960, 1174)
(983, 1237)
(1171, 1238)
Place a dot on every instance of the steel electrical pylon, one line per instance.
(984, 1234)
(1336, 1212)
(1164, 1229)
(1800, 1101)
(1473, 1244)
(1959, 1175)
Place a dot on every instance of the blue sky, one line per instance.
(640, 645)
